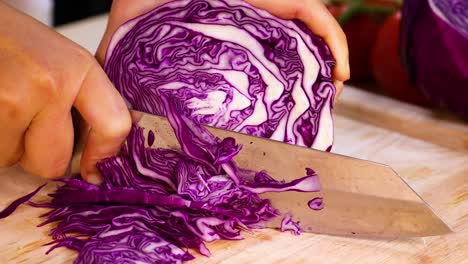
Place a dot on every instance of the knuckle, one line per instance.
(11, 102)
(119, 127)
(48, 86)
(11, 105)
(52, 81)
(23, 80)
(83, 54)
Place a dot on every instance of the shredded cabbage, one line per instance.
(155, 203)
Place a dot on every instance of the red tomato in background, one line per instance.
(361, 32)
(386, 66)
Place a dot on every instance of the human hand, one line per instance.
(312, 12)
(42, 76)
(321, 22)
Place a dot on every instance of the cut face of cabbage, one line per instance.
(233, 66)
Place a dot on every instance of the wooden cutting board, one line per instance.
(439, 174)
(429, 152)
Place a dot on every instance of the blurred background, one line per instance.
(59, 12)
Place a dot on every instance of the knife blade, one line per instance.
(361, 198)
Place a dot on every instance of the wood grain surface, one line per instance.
(438, 174)
(437, 127)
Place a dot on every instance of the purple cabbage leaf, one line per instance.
(231, 65)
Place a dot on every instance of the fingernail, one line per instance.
(94, 179)
(339, 85)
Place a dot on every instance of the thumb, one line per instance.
(105, 111)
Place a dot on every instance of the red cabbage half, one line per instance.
(434, 50)
(233, 66)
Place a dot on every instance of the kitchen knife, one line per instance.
(361, 198)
